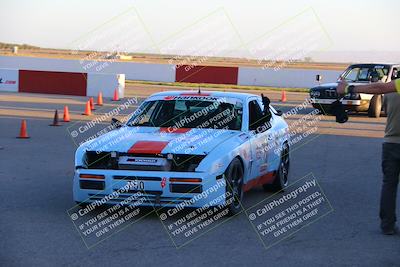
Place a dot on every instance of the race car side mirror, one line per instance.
(266, 101)
(116, 123)
(395, 74)
(267, 111)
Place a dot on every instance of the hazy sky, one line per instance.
(355, 25)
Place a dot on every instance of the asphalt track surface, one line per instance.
(36, 182)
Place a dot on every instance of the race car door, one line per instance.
(261, 135)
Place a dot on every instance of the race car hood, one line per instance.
(154, 140)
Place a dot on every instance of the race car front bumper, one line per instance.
(157, 188)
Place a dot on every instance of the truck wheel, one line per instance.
(234, 186)
(282, 177)
(375, 106)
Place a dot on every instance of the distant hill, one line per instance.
(21, 46)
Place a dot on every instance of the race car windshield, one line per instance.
(364, 74)
(188, 114)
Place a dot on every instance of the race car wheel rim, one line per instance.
(236, 182)
(237, 188)
(284, 168)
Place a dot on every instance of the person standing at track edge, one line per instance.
(390, 150)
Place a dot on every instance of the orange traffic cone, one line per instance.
(91, 101)
(88, 111)
(23, 134)
(66, 117)
(55, 120)
(283, 97)
(100, 99)
(116, 97)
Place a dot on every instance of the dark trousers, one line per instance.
(391, 172)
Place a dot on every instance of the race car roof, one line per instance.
(241, 96)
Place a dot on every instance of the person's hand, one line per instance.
(340, 89)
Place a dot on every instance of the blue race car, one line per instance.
(193, 148)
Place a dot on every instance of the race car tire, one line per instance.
(375, 106)
(282, 176)
(234, 187)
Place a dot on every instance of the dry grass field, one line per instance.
(154, 58)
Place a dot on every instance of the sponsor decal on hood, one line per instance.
(154, 140)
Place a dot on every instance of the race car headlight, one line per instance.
(80, 158)
(184, 162)
(81, 162)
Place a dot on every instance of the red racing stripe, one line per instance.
(263, 179)
(174, 130)
(148, 147)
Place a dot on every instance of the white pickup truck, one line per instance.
(323, 95)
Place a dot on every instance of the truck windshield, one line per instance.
(188, 114)
(365, 73)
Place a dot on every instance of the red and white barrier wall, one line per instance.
(106, 83)
(207, 74)
(163, 73)
(132, 70)
(63, 83)
(9, 80)
(301, 78)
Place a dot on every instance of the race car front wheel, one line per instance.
(282, 176)
(234, 186)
